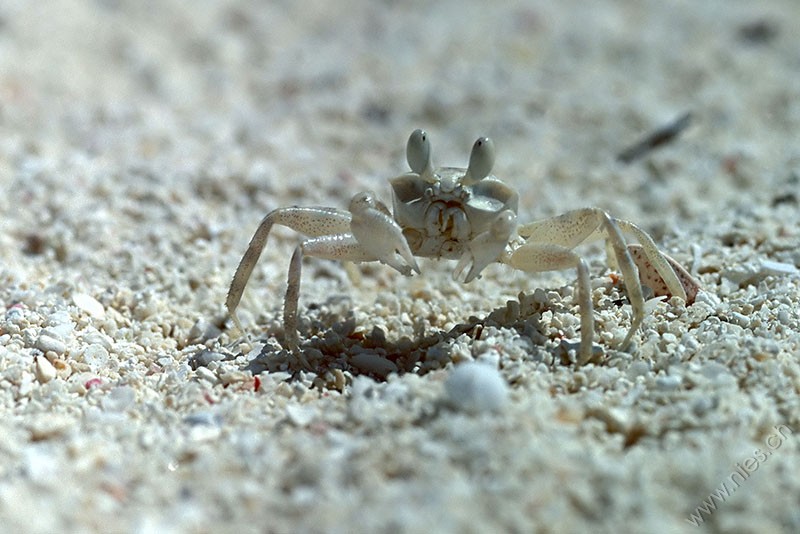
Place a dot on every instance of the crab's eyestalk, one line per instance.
(418, 153)
(481, 161)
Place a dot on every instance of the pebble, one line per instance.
(668, 382)
(16, 316)
(740, 319)
(204, 373)
(203, 426)
(205, 357)
(59, 318)
(46, 343)
(372, 363)
(784, 317)
(475, 387)
(202, 432)
(202, 418)
(95, 337)
(713, 370)
(202, 331)
(753, 272)
(777, 268)
(89, 304)
(25, 384)
(638, 368)
(59, 326)
(43, 370)
(47, 426)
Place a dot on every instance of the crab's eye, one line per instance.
(481, 161)
(418, 151)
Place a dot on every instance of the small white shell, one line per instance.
(476, 387)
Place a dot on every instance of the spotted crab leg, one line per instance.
(365, 233)
(547, 246)
(314, 221)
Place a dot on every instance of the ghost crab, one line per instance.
(471, 216)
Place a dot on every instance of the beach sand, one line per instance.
(142, 142)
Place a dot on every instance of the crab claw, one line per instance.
(379, 235)
(486, 247)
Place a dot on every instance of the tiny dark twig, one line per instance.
(657, 138)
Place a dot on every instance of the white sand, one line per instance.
(141, 143)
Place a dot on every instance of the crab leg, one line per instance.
(342, 247)
(312, 222)
(374, 237)
(365, 233)
(574, 227)
(660, 262)
(630, 275)
(540, 257)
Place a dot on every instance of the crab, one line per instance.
(470, 216)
